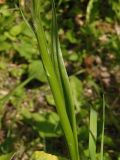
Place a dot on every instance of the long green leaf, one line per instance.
(92, 133)
(103, 127)
(59, 66)
(52, 78)
(62, 75)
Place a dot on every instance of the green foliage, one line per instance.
(77, 91)
(45, 156)
(17, 29)
(57, 77)
(92, 10)
(89, 36)
(36, 70)
(11, 38)
(115, 7)
(50, 99)
(6, 157)
(47, 124)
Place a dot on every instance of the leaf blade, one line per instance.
(103, 128)
(58, 63)
(92, 133)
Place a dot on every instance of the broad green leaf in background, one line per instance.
(40, 155)
(24, 49)
(71, 37)
(50, 99)
(37, 71)
(4, 11)
(16, 30)
(7, 156)
(4, 46)
(118, 158)
(115, 7)
(77, 91)
(47, 124)
(73, 57)
(106, 157)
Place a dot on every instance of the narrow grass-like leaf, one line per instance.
(58, 63)
(52, 78)
(25, 20)
(5, 99)
(59, 66)
(89, 10)
(103, 127)
(92, 133)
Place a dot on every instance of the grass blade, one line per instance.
(90, 7)
(6, 98)
(52, 78)
(63, 79)
(103, 127)
(92, 134)
(59, 66)
(25, 20)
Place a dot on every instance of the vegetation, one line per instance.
(41, 109)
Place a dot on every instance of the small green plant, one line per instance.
(57, 76)
(59, 82)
